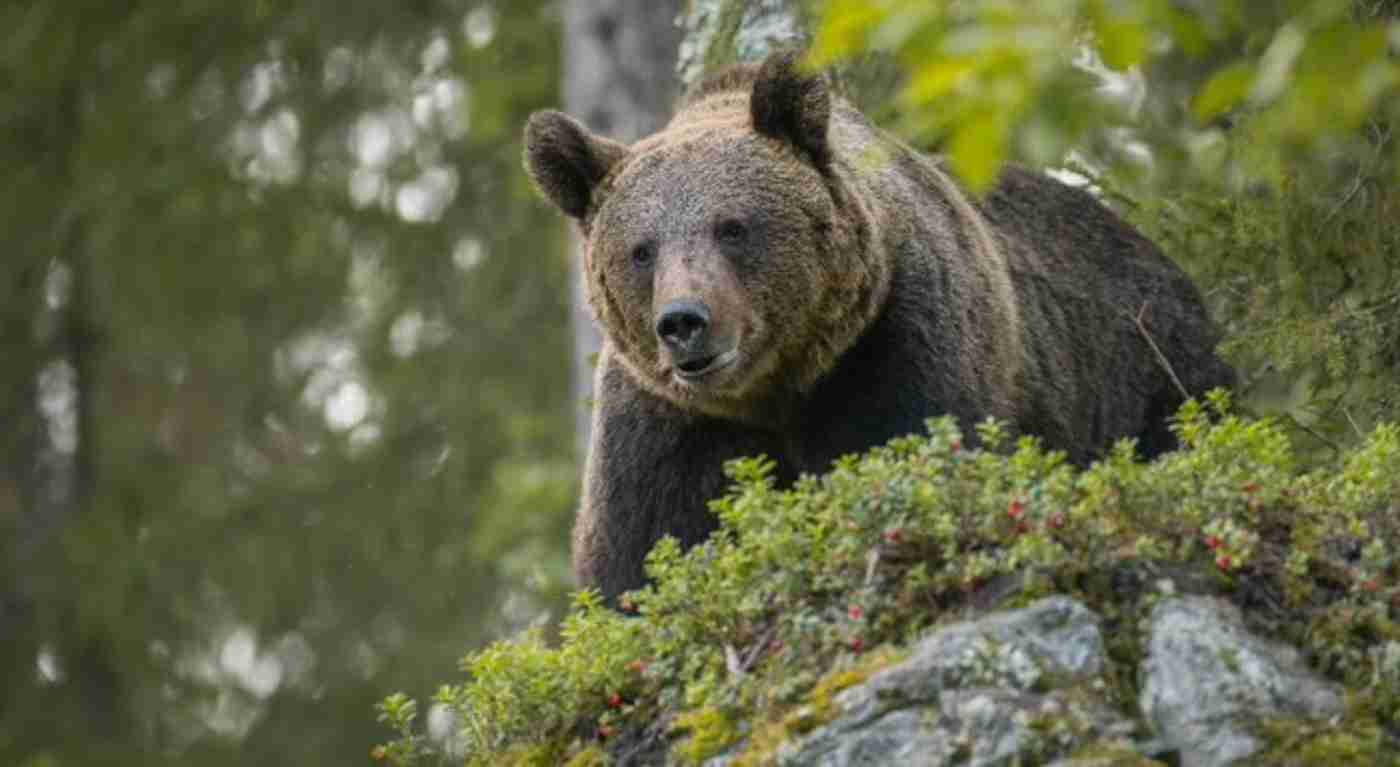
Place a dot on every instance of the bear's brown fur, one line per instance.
(776, 275)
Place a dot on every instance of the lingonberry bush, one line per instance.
(805, 590)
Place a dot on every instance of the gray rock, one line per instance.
(1015, 687)
(1207, 682)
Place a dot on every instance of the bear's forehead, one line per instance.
(683, 178)
(692, 158)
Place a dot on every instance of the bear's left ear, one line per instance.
(793, 105)
(567, 162)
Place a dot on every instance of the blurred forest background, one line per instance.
(284, 388)
(288, 417)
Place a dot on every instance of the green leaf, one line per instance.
(1122, 44)
(1186, 30)
(1224, 90)
(848, 24)
(941, 76)
(978, 149)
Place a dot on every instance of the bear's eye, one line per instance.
(731, 231)
(644, 254)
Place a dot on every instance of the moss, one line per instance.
(1125, 655)
(1343, 636)
(1231, 659)
(1341, 749)
(589, 757)
(1353, 742)
(526, 755)
(822, 699)
(1065, 724)
(785, 723)
(720, 52)
(711, 729)
(1109, 754)
(762, 748)
(823, 696)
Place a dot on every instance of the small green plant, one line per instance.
(399, 712)
(737, 640)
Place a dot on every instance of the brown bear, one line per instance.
(775, 275)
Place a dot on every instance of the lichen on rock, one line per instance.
(991, 691)
(1208, 683)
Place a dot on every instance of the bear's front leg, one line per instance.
(652, 470)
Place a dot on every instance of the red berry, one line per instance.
(857, 644)
(1017, 509)
(1213, 542)
(615, 701)
(955, 445)
(1021, 528)
(856, 613)
(894, 536)
(1224, 562)
(1371, 585)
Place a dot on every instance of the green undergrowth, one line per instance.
(807, 590)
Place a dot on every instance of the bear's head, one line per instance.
(725, 258)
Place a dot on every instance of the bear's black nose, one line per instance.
(682, 326)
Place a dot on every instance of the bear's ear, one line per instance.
(793, 105)
(567, 162)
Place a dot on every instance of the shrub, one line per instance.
(786, 601)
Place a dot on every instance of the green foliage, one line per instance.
(746, 635)
(1303, 275)
(1252, 140)
(400, 712)
(996, 78)
(524, 687)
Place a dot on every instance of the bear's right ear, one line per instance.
(567, 162)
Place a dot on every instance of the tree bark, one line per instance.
(619, 59)
(723, 32)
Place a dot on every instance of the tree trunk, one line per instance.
(619, 56)
(49, 455)
(723, 32)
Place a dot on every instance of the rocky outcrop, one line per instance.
(1032, 686)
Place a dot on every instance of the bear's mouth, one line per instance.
(699, 367)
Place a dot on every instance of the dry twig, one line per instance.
(1161, 358)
